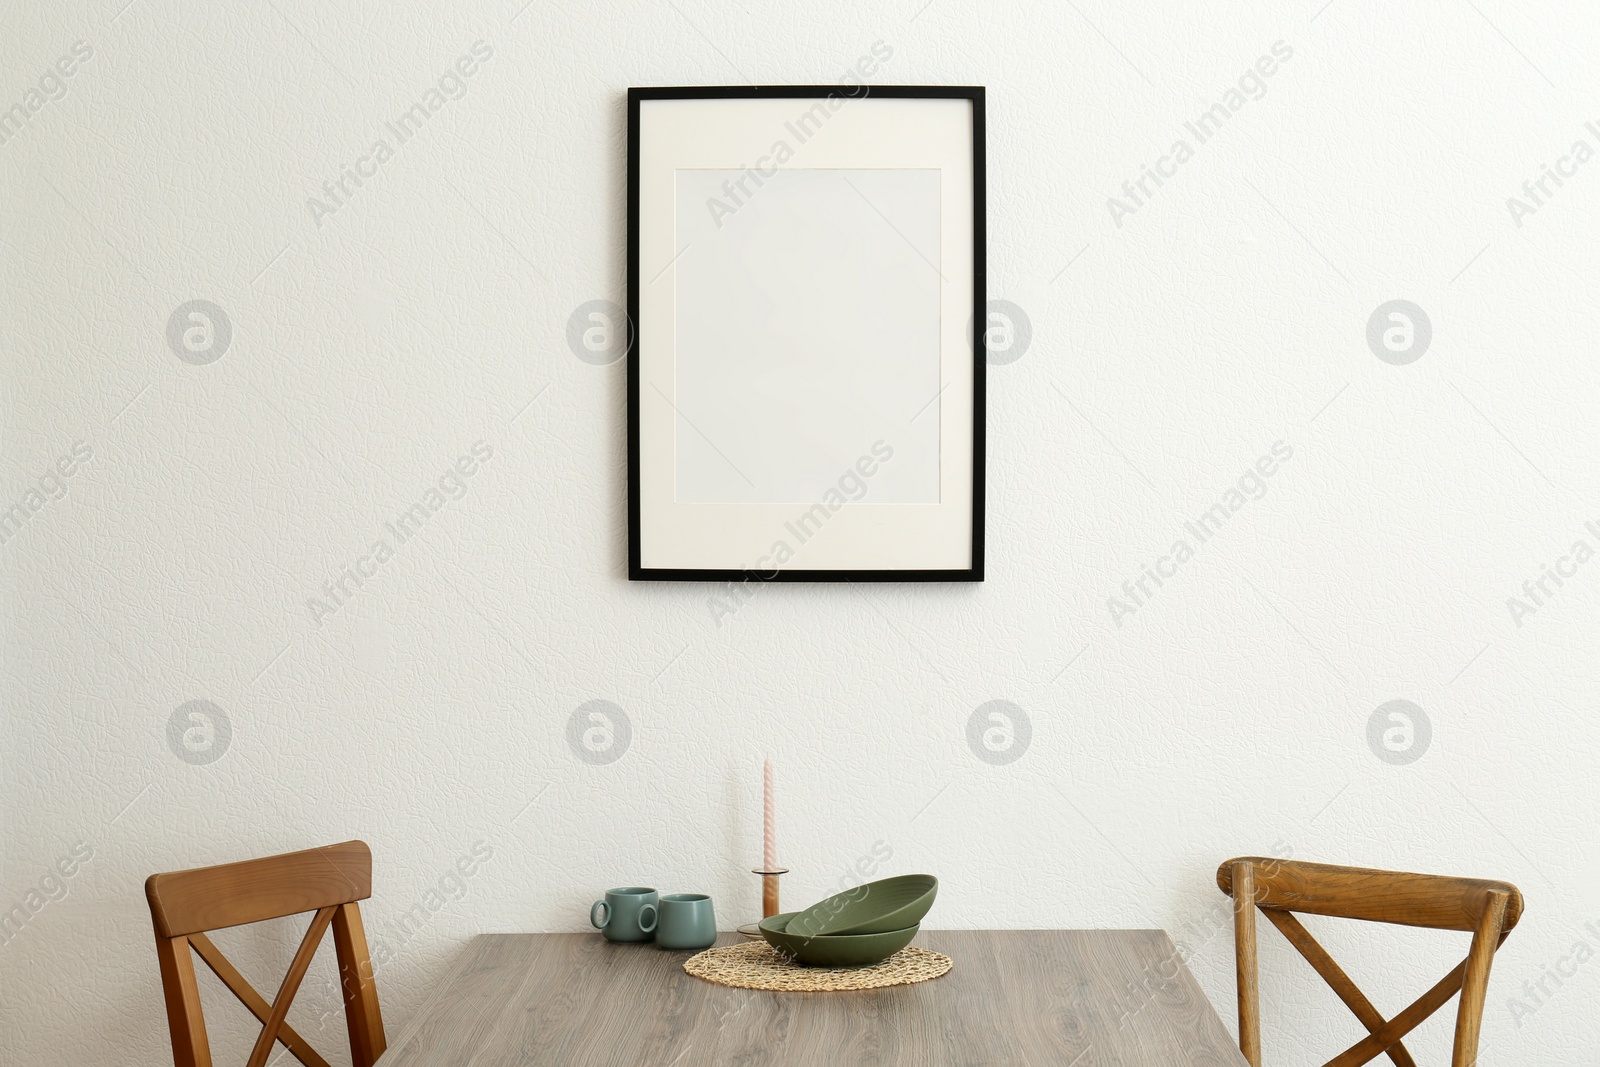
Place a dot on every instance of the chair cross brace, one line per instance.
(272, 1016)
(1384, 1035)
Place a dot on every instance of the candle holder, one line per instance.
(769, 898)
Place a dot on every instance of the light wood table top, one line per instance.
(1046, 998)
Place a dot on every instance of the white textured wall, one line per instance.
(375, 341)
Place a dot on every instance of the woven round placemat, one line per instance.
(756, 965)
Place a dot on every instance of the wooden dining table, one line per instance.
(1046, 998)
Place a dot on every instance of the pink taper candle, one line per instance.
(769, 821)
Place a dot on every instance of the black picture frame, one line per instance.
(975, 96)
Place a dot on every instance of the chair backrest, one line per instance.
(185, 905)
(1279, 888)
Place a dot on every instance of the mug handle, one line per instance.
(655, 913)
(594, 915)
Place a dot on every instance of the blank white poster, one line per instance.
(808, 329)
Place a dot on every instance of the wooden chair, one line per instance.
(1487, 909)
(187, 904)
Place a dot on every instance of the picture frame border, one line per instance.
(974, 94)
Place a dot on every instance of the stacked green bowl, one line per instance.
(856, 928)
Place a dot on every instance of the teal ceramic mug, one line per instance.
(629, 914)
(687, 921)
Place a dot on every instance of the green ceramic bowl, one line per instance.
(851, 950)
(874, 908)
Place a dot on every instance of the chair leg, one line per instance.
(361, 1013)
(1475, 984)
(185, 1019)
(1244, 941)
